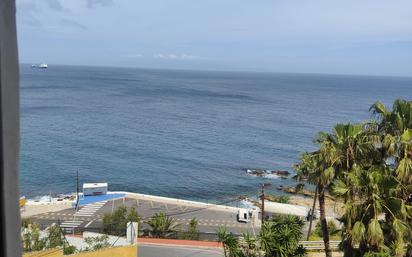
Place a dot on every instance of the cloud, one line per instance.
(72, 24)
(175, 56)
(54, 5)
(94, 3)
(26, 13)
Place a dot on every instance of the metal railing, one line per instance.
(319, 245)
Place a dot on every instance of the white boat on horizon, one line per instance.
(40, 66)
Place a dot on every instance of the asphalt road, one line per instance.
(176, 251)
(90, 216)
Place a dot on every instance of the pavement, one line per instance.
(176, 251)
(90, 215)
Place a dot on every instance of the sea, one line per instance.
(179, 133)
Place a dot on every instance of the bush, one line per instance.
(69, 250)
(25, 222)
(280, 236)
(333, 230)
(162, 226)
(96, 243)
(377, 254)
(55, 236)
(116, 223)
(193, 232)
(278, 198)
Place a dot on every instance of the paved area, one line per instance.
(90, 215)
(176, 251)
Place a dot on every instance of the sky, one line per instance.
(371, 37)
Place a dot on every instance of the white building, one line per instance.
(94, 189)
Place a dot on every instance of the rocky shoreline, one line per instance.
(263, 172)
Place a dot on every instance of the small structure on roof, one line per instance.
(95, 189)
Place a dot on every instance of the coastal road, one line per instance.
(176, 251)
(90, 216)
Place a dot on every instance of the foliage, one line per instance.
(55, 236)
(71, 249)
(162, 226)
(278, 198)
(377, 254)
(279, 237)
(367, 166)
(25, 222)
(97, 242)
(116, 223)
(31, 238)
(193, 232)
(33, 241)
(332, 229)
(231, 246)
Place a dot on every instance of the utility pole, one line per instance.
(77, 188)
(262, 198)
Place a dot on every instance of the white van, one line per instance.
(244, 215)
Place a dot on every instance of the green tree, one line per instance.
(317, 168)
(55, 237)
(279, 237)
(332, 229)
(348, 146)
(116, 223)
(162, 226)
(368, 167)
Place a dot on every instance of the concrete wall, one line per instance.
(124, 251)
(180, 202)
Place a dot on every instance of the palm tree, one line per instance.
(317, 168)
(394, 121)
(338, 152)
(395, 130)
(369, 167)
(376, 196)
(162, 226)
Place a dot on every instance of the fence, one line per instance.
(319, 245)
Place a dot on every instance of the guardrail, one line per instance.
(319, 245)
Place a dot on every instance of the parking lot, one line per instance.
(89, 216)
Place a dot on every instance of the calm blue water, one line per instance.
(179, 133)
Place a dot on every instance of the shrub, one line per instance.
(116, 223)
(193, 232)
(96, 243)
(69, 250)
(162, 226)
(278, 198)
(333, 230)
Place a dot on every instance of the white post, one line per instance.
(132, 232)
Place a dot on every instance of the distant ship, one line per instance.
(40, 66)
